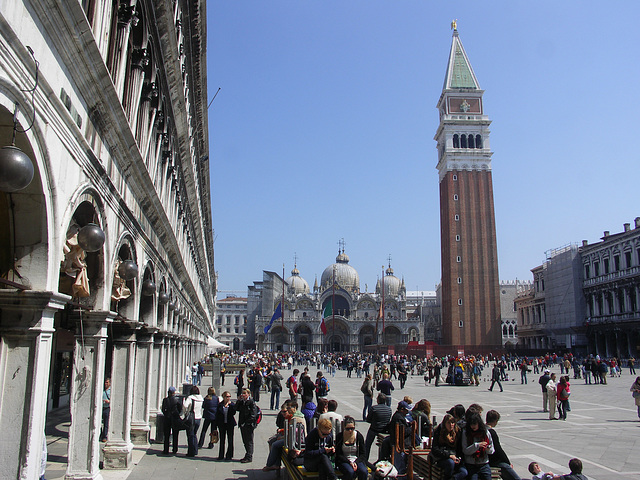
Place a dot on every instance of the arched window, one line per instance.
(511, 330)
(456, 141)
(472, 144)
(463, 141)
(478, 141)
(504, 330)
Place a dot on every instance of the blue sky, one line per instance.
(323, 129)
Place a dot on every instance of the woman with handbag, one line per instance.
(192, 414)
(635, 391)
(226, 423)
(209, 411)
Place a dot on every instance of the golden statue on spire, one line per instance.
(454, 24)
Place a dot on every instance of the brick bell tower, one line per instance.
(470, 283)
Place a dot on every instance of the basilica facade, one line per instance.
(353, 319)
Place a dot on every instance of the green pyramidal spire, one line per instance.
(459, 71)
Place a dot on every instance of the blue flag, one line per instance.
(276, 314)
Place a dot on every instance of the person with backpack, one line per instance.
(247, 422)
(239, 382)
(322, 386)
(292, 384)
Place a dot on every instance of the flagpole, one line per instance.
(383, 292)
(333, 306)
(282, 304)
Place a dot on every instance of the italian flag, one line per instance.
(328, 312)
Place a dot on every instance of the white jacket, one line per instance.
(197, 401)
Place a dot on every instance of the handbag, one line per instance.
(214, 436)
(635, 394)
(188, 422)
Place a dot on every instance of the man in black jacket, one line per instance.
(499, 458)
(247, 422)
(495, 377)
(543, 380)
(171, 408)
(379, 416)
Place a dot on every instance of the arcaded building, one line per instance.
(106, 249)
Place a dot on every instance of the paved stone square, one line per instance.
(602, 430)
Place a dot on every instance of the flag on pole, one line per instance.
(276, 314)
(328, 312)
(378, 317)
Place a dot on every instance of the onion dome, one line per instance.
(391, 283)
(346, 276)
(296, 282)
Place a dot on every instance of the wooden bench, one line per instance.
(425, 468)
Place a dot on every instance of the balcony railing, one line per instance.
(612, 276)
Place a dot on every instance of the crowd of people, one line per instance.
(464, 444)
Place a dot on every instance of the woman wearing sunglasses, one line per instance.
(350, 451)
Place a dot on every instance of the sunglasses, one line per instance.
(350, 428)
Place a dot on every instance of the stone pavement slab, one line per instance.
(602, 430)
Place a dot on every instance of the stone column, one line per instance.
(117, 451)
(26, 338)
(140, 427)
(86, 395)
(158, 381)
(169, 349)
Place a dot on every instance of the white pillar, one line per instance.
(26, 338)
(86, 396)
(117, 451)
(158, 381)
(140, 427)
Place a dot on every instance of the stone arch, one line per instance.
(162, 310)
(148, 301)
(280, 338)
(337, 336)
(342, 306)
(391, 335)
(123, 291)
(367, 336)
(303, 337)
(25, 257)
(83, 209)
(414, 335)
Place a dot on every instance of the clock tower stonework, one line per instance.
(470, 283)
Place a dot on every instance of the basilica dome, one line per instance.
(392, 284)
(296, 282)
(346, 276)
